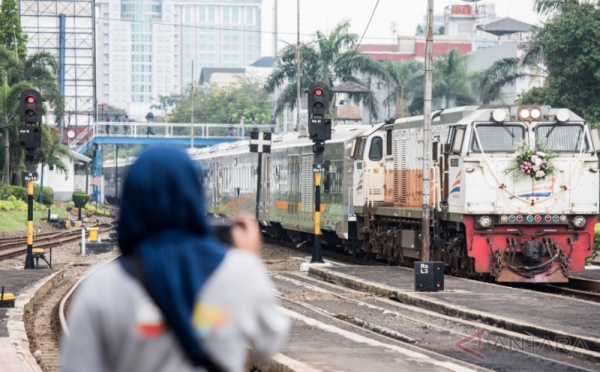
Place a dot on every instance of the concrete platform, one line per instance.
(15, 281)
(556, 318)
(591, 273)
(318, 343)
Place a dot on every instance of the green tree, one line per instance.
(534, 96)
(506, 71)
(573, 59)
(214, 104)
(8, 116)
(334, 59)
(52, 148)
(165, 102)
(404, 77)
(11, 34)
(453, 83)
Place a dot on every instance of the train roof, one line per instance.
(477, 113)
(448, 116)
(340, 133)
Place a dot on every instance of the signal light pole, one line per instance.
(30, 139)
(319, 130)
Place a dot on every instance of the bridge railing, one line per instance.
(175, 130)
(164, 130)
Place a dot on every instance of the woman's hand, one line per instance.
(245, 233)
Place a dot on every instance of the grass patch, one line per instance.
(17, 220)
(92, 208)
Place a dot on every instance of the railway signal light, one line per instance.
(30, 108)
(318, 99)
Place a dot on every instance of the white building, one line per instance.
(146, 48)
(63, 184)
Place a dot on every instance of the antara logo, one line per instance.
(456, 185)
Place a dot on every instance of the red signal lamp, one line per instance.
(30, 99)
(318, 92)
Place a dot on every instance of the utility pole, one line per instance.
(298, 61)
(192, 99)
(425, 222)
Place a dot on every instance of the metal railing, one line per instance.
(165, 130)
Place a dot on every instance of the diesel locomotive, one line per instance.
(487, 220)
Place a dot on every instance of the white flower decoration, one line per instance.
(538, 162)
(540, 174)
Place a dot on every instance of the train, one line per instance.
(489, 218)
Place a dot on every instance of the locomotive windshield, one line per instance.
(497, 137)
(562, 137)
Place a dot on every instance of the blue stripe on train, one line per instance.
(456, 189)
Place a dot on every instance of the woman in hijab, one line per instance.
(177, 299)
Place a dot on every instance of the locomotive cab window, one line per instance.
(562, 137)
(376, 149)
(497, 137)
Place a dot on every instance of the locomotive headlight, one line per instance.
(563, 115)
(536, 114)
(485, 221)
(524, 114)
(579, 221)
(499, 115)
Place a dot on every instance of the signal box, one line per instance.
(319, 130)
(30, 137)
(429, 276)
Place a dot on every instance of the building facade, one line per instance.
(147, 48)
(65, 29)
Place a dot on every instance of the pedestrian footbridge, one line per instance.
(80, 138)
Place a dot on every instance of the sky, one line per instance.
(325, 14)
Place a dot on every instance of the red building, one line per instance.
(413, 47)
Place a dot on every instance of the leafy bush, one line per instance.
(48, 194)
(19, 192)
(92, 208)
(6, 206)
(80, 199)
(5, 191)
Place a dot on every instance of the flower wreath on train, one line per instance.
(536, 164)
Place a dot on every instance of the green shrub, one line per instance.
(80, 199)
(19, 192)
(48, 194)
(6, 206)
(5, 192)
(12, 198)
(92, 208)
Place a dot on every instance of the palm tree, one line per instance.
(49, 153)
(334, 59)
(8, 113)
(453, 83)
(404, 75)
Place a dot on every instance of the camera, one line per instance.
(221, 227)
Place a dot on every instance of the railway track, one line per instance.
(581, 288)
(11, 247)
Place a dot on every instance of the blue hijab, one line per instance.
(163, 225)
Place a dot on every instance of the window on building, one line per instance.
(202, 13)
(249, 15)
(226, 10)
(235, 14)
(211, 14)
